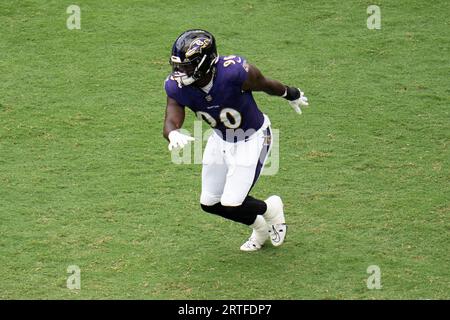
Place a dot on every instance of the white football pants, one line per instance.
(230, 169)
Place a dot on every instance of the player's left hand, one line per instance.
(301, 101)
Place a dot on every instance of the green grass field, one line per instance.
(86, 178)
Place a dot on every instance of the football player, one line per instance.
(219, 90)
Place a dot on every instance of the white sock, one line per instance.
(260, 229)
(270, 214)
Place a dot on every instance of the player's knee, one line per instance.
(219, 209)
(207, 199)
(209, 203)
(230, 201)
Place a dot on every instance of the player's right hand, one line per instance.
(178, 140)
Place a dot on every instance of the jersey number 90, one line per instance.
(230, 118)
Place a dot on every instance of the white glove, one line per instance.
(302, 101)
(178, 140)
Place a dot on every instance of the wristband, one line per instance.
(291, 93)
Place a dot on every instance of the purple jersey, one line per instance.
(225, 107)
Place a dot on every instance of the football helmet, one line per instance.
(194, 55)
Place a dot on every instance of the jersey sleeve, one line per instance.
(172, 90)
